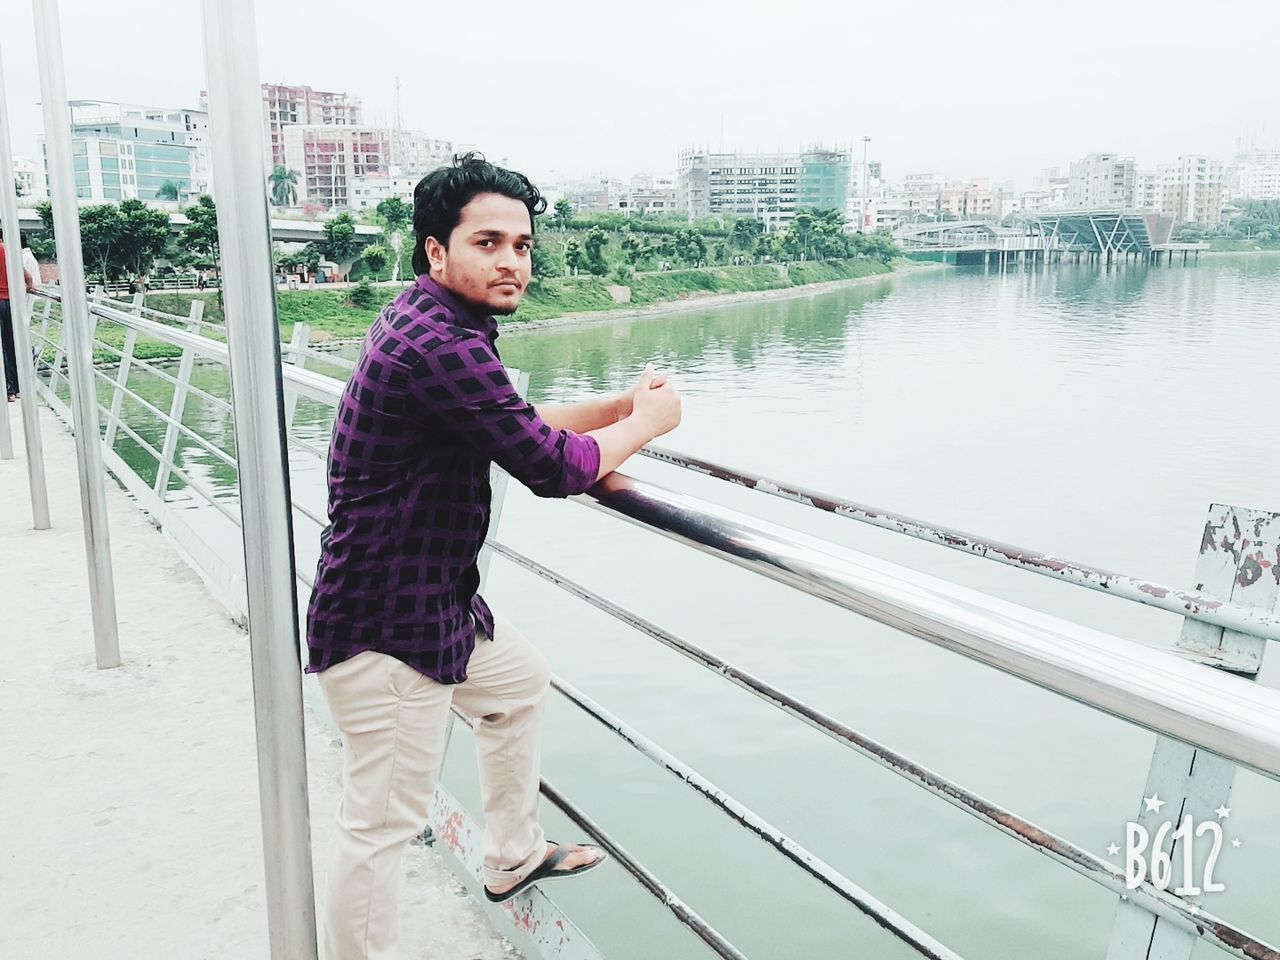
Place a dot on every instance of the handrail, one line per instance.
(1210, 927)
(1188, 603)
(1216, 711)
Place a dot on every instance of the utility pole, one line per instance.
(862, 220)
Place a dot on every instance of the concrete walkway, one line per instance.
(128, 798)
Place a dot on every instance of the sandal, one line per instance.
(547, 871)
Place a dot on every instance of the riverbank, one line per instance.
(550, 303)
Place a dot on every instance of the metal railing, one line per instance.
(1187, 702)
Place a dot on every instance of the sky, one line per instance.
(570, 88)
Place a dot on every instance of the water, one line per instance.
(1092, 415)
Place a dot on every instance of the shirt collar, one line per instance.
(464, 314)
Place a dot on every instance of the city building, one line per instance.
(29, 179)
(1102, 180)
(328, 157)
(125, 151)
(1256, 175)
(597, 195)
(971, 200)
(648, 194)
(1189, 190)
(284, 105)
(366, 192)
(768, 187)
(415, 152)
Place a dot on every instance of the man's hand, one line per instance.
(626, 401)
(655, 403)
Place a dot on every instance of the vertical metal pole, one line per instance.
(75, 333)
(178, 405)
(122, 376)
(302, 339)
(257, 394)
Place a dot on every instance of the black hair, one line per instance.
(439, 197)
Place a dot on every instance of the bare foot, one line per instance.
(580, 857)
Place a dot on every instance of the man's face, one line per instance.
(487, 262)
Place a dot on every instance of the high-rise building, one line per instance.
(125, 151)
(1102, 180)
(1189, 190)
(1257, 175)
(284, 105)
(328, 156)
(767, 187)
(415, 152)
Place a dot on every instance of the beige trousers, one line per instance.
(393, 722)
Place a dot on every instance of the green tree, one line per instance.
(634, 249)
(284, 186)
(143, 235)
(362, 295)
(168, 190)
(802, 227)
(376, 256)
(396, 215)
(563, 213)
(595, 244)
(42, 242)
(574, 256)
(546, 261)
(101, 230)
(340, 244)
(690, 247)
(745, 233)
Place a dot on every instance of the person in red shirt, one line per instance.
(6, 326)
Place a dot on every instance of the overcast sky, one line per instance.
(579, 87)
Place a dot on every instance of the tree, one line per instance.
(574, 256)
(563, 213)
(200, 236)
(396, 216)
(143, 235)
(284, 186)
(690, 247)
(595, 244)
(546, 261)
(340, 244)
(634, 249)
(745, 233)
(375, 257)
(168, 190)
(101, 229)
(802, 227)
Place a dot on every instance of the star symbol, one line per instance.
(1236, 843)
(1113, 851)
(1154, 803)
(1193, 909)
(1223, 812)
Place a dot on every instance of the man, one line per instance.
(396, 628)
(6, 326)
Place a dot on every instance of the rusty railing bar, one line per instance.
(1188, 603)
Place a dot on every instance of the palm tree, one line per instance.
(284, 190)
(168, 190)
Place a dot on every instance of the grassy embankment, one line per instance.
(331, 316)
(1225, 245)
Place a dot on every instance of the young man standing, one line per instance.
(396, 628)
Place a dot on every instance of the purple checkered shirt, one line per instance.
(427, 409)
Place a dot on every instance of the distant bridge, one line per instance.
(1094, 234)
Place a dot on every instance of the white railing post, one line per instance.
(178, 405)
(122, 376)
(76, 333)
(257, 396)
(300, 340)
